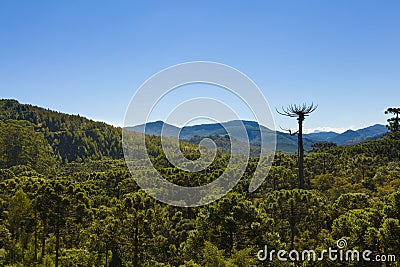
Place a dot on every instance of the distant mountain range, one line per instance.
(350, 137)
(74, 137)
(285, 142)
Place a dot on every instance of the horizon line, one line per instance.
(338, 130)
(120, 125)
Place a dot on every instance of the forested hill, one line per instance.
(72, 137)
(93, 213)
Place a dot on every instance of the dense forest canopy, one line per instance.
(68, 199)
(20, 144)
(72, 137)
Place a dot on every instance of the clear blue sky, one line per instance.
(88, 57)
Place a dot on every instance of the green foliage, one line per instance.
(5, 238)
(359, 227)
(89, 211)
(20, 144)
(320, 146)
(72, 137)
(393, 123)
(77, 257)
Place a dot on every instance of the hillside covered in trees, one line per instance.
(68, 199)
(72, 137)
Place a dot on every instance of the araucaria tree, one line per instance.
(299, 112)
(393, 122)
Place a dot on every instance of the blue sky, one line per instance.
(89, 57)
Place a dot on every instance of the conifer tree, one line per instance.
(299, 111)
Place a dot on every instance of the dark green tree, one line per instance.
(20, 144)
(60, 203)
(298, 214)
(300, 112)
(322, 145)
(394, 123)
(20, 217)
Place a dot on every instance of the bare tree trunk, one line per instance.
(136, 245)
(106, 254)
(292, 226)
(274, 183)
(301, 153)
(57, 243)
(36, 237)
(44, 239)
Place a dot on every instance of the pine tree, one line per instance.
(394, 123)
(300, 112)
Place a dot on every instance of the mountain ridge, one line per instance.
(285, 142)
(74, 137)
